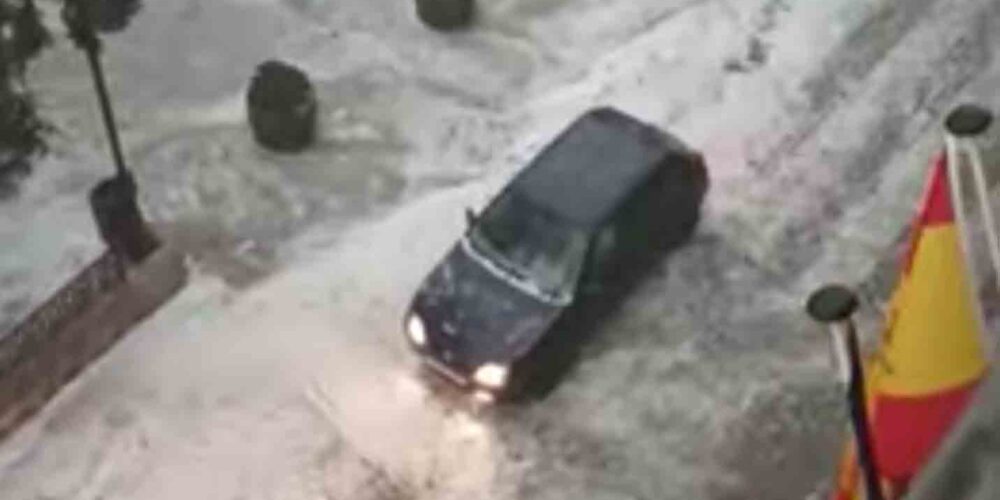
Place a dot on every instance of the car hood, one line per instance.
(474, 314)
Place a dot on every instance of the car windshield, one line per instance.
(531, 245)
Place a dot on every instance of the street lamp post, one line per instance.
(113, 201)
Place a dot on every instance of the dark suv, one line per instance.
(554, 252)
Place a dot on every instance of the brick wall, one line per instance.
(76, 325)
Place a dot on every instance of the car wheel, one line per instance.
(544, 368)
(445, 15)
(281, 107)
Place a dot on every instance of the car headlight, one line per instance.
(484, 397)
(416, 331)
(492, 375)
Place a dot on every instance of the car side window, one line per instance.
(602, 251)
(634, 221)
(604, 245)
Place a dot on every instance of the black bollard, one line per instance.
(119, 219)
(281, 107)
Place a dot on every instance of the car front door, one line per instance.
(601, 261)
(637, 230)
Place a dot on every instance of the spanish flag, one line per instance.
(931, 356)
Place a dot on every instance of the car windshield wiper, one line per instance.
(513, 271)
(495, 261)
(486, 248)
(555, 295)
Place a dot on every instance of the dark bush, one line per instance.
(21, 130)
(445, 15)
(281, 107)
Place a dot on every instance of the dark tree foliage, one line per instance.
(22, 38)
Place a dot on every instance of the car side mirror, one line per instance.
(470, 217)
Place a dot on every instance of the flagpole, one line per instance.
(986, 208)
(78, 19)
(834, 307)
(962, 124)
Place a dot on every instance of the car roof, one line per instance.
(594, 166)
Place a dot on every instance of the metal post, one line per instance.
(962, 124)
(113, 201)
(834, 306)
(79, 21)
(106, 112)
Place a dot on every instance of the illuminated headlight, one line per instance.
(416, 331)
(491, 375)
(483, 397)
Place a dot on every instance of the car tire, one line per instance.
(544, 368)
(684, 199)
(445, 15)
(281, 107)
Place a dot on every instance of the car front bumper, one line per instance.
(462, 383)
(446, 372)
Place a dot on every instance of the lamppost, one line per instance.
(113, 201)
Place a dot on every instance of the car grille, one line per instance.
(446, 371)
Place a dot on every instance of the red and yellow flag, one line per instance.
(931, 356)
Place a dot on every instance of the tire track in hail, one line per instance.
(845, 69)
(911, 104)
